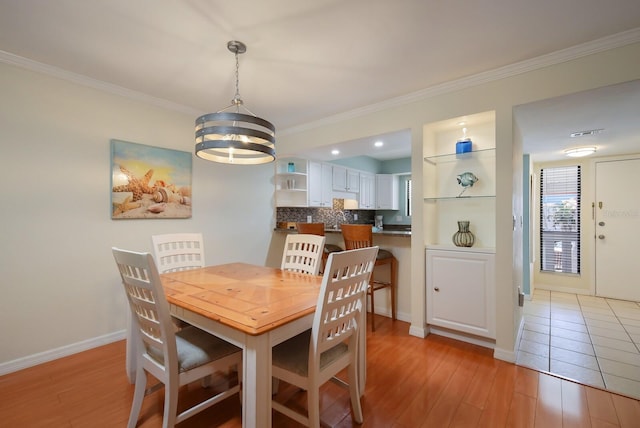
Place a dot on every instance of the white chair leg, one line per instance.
(313, 405)
(170, 405)
(138, 396)
(354, 392)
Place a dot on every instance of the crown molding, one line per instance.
(558, 57)
(564, 55)
(28, 64)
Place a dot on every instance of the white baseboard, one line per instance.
(417, 331)
(510, 356)
(476, 340)
(504, 355)
(64, 351)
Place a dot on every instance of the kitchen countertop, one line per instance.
(406, 233)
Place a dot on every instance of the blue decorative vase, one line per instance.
(463, 146)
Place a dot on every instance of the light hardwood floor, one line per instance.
(412, 382)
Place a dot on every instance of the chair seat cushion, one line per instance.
(384, 254)
(197, 347)
(293, 354)
(331, 248)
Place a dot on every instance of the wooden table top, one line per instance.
(250, 298)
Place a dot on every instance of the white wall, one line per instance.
(59, 283)
(472, 96)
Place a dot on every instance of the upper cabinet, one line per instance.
(367, 196)
(345, 179)
(387, 192)
(320, 190)
(291, 183)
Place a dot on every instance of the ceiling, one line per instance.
(305, 61)
(546, 125)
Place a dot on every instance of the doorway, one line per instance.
(617, 217)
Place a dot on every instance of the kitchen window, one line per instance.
(408, 200)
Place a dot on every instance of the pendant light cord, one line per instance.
(237, 100)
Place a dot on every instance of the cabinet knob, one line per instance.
(436, 288)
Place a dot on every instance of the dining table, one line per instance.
(255, 308)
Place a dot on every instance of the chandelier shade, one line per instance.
(235, 137)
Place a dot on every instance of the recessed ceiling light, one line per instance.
(335, 152)
(585, 133)
(579, 152)
(378, 144)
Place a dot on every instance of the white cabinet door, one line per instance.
(345, 179)
(320, 185)
(461, 291)
(367, 197)
(339, 178)
(353, 181)
(387, 192)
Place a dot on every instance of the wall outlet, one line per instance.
(309, 219)
(355, 217)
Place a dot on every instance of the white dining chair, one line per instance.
(174, 358)
(178, 251)
(172, 252)
(303, 253)
(312, 358)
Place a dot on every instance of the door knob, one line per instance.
(436, 288)
(601, 223)
(600, 236)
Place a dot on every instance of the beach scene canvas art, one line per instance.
(149, 182)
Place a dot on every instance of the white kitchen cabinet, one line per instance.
(345, 179)
(461, 290)
(291, 183)
(367, 196)
(320, 182)
(387, 192)
(353, 181)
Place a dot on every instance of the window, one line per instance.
(560, 219)
(408, 193)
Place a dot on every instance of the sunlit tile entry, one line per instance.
(592, 340)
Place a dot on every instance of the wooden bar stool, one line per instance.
(318, 229)
(360, 236)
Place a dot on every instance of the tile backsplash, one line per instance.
(328, 216)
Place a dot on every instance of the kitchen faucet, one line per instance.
(344, 218)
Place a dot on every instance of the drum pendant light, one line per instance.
(234, 137)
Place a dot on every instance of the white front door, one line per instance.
(617, 216)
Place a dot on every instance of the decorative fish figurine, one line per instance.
(466, 180)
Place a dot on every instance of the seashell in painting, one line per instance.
(157, 208)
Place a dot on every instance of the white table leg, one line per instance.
(256, 388)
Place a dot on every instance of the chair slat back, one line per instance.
(311, 228)
(357, 236)
(178, 251)
(302, 253)
(341, 299)
(149, 307)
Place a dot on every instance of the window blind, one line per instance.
(560, 219)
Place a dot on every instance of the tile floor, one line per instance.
(592, 340)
